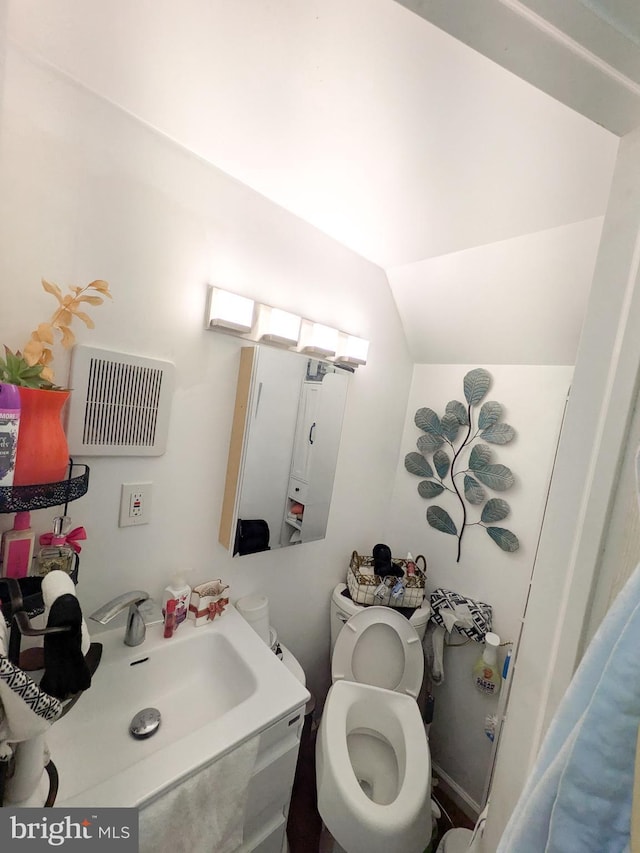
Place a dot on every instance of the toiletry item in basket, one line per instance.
(17, 547)
(397, 592)
(58, 547)
(382, 564)
(486, 673)
(411, 565)
(9, 425)
(179, 590)
(382, 590)
(169, 617)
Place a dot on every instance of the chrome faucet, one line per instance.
(135, 630)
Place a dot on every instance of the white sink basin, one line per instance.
(215, 686)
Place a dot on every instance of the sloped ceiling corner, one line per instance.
(359, 116)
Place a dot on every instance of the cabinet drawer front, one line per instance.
(298, 489)
(270, 791)
(269, 839)
(280, 737)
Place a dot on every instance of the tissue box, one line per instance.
(207, 601)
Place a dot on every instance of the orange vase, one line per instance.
(42, 455)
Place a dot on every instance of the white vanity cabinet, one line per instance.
(271, 784)
(231, 692)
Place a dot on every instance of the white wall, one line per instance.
(87, 192)
(521, 300)
(533, 399)
(596, 426)
(359, 116)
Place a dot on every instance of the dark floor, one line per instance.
(304, 826)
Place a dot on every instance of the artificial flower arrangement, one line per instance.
(31, 368)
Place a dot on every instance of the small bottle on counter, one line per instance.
(169, 617)
(179, 590)
(56, 555)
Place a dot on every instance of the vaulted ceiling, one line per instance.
(409, 131)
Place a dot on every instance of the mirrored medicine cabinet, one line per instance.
(283, 451)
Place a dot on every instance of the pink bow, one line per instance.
(70, 539)
(216, 607)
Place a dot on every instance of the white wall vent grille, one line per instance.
(119, 404)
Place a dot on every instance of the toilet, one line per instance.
(373, 767)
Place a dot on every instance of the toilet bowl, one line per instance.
(373, 768)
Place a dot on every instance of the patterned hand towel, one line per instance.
(25, 709)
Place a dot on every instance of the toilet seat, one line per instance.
(398, 821)
(379, 647)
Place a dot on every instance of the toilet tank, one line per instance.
(343, 608)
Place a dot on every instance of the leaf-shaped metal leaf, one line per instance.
(499, 434)
(507, 540)
(473, 491)
(450, 426)
(428, 442)
(415, 463)
(459, 412)
(494, 510)
(430, 489)
(442, 462)
(476, 385)
(490, 414)
(439, 519)
(479, 457)
(427, 420)
(496, 477)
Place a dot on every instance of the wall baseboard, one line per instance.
(459, 796)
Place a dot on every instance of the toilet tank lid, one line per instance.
(419, 618)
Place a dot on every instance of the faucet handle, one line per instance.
(136, 628)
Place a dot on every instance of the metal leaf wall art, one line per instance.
(440, 462)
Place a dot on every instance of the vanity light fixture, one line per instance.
(277, 326)
(230, 311)
(317, 339)
(351, 349)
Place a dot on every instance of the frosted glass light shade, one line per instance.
(317, 339)
(351, 349)
(230, 311)
(278, 326)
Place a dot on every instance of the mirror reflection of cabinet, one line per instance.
(283, 451)
(306, 426)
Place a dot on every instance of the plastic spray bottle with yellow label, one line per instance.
(486, 672)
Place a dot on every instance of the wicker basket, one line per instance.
(362, 585)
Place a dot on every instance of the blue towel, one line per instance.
(578, 796)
